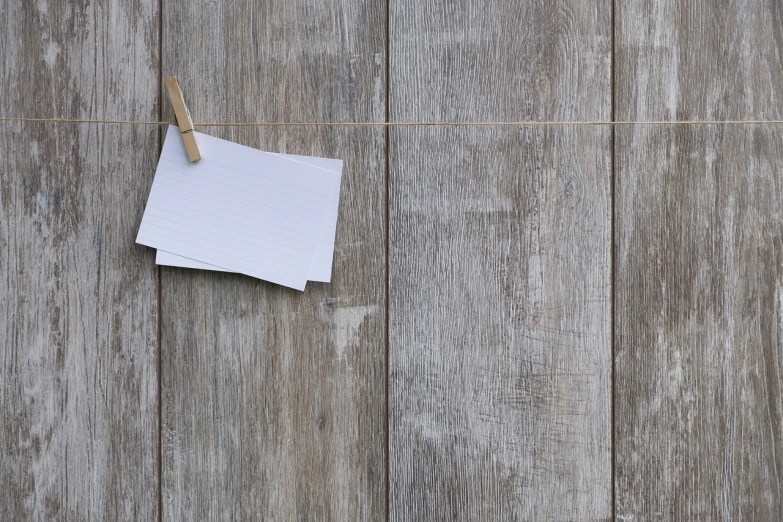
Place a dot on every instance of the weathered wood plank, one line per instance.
(699, 328)
(78, 321)
(699, 277)
(499, 299)
(274, 400)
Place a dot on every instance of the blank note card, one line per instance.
(241, 209)
(321, 267)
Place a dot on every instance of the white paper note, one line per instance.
(321, 267)
(238, 208)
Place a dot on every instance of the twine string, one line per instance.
(523, 123)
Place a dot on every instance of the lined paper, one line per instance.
(240, 209)
(321, 267)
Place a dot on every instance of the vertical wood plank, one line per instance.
(499, 303)
(274, 400)
(78, 321)
(699, 283)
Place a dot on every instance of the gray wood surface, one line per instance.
(493, 344)
(273, 400)
(499, 293)
(699, 277)
(79, 300)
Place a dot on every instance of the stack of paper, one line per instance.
(270, 216)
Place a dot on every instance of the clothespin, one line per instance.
(183, 118)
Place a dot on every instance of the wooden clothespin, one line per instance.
(183, 118)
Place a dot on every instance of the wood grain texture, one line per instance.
(78, 321)
(499, 297)
(503, 60)
(681, 59)
(699, 324)
(699, 306)
(273, 400)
